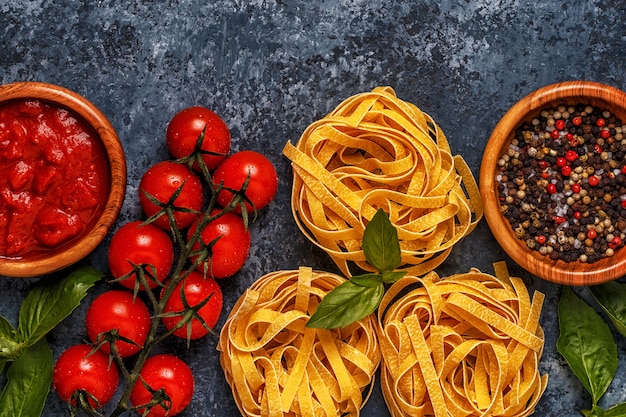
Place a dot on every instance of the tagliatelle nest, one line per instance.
(377, 151)
(467, 345)
(277, 367)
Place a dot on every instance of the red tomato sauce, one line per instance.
(54, 177)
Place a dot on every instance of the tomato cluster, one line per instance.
(180, 285)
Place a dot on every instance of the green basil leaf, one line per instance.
(366, 280)
(28, 382)
(47, 304)
(586, 343)
(389, 277)
(6, 328)
(380, 243)
(345, 304)
(10, 349)
(10, 345)
(618, 410)
(612, 298)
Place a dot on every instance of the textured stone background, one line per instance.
(270, 68)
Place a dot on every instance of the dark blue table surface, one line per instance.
(270, 68)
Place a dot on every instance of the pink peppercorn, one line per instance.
(555, 134)
(605, 133)
(551, 188)
(600, 122)
(594, 180)
(615, 242)
(560, 124)
(541, 239)
(566, 170)
(592, 234)
(577, 121)
(561, 162)
(576, 187)
(571, 155)
(577, 214)
(559, 219)
(543, 164)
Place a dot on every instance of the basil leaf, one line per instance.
(28, 382)
(586, 343)
(345, 304)
(380, 243)
(6, 328)
(612, 298)
(7, 338)
(366, 280)
(389, 277)
(47, 304)
(10, 345)
(9, 348)
(618, 410)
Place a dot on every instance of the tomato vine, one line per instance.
(170, 298)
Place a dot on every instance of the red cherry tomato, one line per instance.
(197, 288)
(79, 370)
(119, 310)
(185, 128)
(162, 180)
(235, 169)
(230, 250)
(134, 244)
(171, 374)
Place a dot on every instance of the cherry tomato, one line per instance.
(235, 169)
(162, 180)
(188, 124)
(167, 372)
(134, 244)
(229, 252)
(119, 310)
(197, 288)
(77, 369)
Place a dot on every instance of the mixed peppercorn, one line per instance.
(562, 183)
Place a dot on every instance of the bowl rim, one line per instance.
(560, 272)
(22, 268)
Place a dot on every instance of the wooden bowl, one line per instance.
(575, 273)
(78, 248)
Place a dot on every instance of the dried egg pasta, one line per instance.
(377, 151)
(466, 345)
(278, 367)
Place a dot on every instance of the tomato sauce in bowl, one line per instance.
(62, 178)
(55, 177)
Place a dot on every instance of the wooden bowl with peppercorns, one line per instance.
(63, 178)
(553, 183)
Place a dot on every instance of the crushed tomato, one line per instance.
(54, 181)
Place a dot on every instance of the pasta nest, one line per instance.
(276, 366)
(466, 345)
(377, 151)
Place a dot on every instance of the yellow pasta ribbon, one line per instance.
(461, 346)
(278, 367)
(376, 151)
